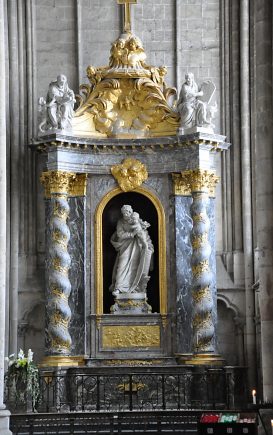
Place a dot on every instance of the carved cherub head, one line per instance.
(134, 44)
(120, 43)
(124, 172)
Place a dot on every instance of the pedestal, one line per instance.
(131, 303)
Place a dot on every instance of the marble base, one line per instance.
(4, 422)
(131, 303)
(191, 130)
(203, 359)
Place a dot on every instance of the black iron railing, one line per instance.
(76, 391)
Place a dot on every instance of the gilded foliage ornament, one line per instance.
(130, 174)
(200, 180)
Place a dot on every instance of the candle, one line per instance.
(272, 426)
(254, 397)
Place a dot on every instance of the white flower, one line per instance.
(12, 356)
(21, 354)
(29, 356)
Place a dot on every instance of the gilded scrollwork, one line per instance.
(127, 98)
(130, 174)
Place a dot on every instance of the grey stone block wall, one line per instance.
(55, 39)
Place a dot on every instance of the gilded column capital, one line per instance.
(130, 174)
(66, 183)
(56, 182)
(179, 186)
(78, 185)
(199, 180)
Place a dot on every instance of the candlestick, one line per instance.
(254, 397)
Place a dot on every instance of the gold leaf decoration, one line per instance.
(130, 174)
(130, 336)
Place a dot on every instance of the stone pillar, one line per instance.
(201, 184)
(246, 162)
(264, 183)
(4, 414)
(58, 287)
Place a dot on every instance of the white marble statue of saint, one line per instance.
(134, 251)
(193, 104)
(59, 105)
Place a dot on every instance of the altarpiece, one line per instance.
(124, 142)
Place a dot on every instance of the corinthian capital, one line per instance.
(57, 182)
(199, 180)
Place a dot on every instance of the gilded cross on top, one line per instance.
(127, 13)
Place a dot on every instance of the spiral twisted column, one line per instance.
(201, 183)
(58, 339)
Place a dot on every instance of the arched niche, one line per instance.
(230, 331)
(107, 214)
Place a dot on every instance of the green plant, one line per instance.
(22, 378)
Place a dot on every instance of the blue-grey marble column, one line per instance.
(65, 327)
(196, 280)
(203, 307)
(58, 286)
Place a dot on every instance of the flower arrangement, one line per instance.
(22, 377)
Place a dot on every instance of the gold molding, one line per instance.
(62, 361)
(200, 359)
(63, 183)
(127, 336)
(131, 173)
(132, 362)
(195, 180)
(161, 247)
